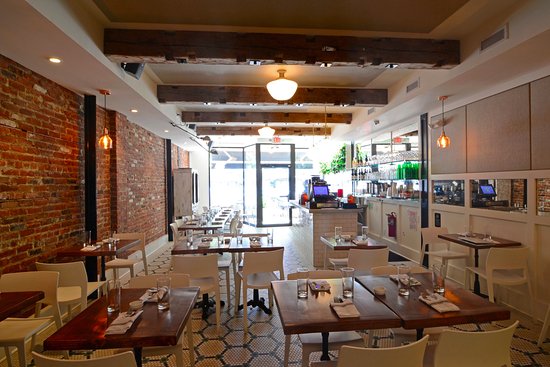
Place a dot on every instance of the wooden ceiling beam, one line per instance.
(260, 95)
(280, 117)
(253, 130)
(231, 48)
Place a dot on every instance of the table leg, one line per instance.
(324, 353)
(90, 264)
(256, 301)
(419, 334)
(137, 356)
(477, 288)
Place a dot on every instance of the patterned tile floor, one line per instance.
(264, 345)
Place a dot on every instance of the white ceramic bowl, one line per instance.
(379, 291)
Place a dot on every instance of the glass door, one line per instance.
(275, 191)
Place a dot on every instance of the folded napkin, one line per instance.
(90, 248)
(203, 245)
(345, 309)
(153, 295)
(360, 242)
(255, 244)
(319, 285)
(122, 323)
(413, 281)
(438, 302)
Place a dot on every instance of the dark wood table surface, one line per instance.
(153, 328)
(415, 314)
(230, 245)
(11, 303)
(314, 314)
(467, 241)
(106, 250)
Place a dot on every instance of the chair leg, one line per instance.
(22, 353)
(305, 356)
(245, 309)
(544, 329)
(237, 293)
(131, 271)
(270, 296)
(8, 356)
(287, 350)
(218, 310)
(190, 344)
(227, 288)
(491, 290)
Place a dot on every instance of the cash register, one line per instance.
(320, 196)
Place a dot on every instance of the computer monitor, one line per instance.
(487, 190)
(320, 190)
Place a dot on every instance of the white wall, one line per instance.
(198, 160)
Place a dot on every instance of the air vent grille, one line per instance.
(371, 111)
(495, 38)
(413, 85)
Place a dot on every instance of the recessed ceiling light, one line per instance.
(326, 64)
(299, 104)
(207, 103)
(134, 110)
(253, 104)
(391, 66)
(255, 62)
(55, 60)
(166, 131)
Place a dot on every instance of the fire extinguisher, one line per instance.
(392, 225)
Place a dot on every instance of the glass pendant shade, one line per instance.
(105, 140)
(266, 132)
(443, 141)
(282, 89)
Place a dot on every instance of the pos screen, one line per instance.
(320, 190)
(487, 190)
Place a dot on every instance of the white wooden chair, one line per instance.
(473, 349)
(203, 273)
(117, 263)
(544, 329)
(313, 342)
(438, 247)
(14, 332)
(74, 287)
(178, 236)
(504, 266)
(125, 359)
(410, 355)
(257, 273)
(176, 281)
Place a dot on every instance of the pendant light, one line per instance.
(266, 132)
(282, 89)
(443, 141)
(105, 140)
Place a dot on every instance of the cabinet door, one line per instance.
(183, 192)
(374, 217)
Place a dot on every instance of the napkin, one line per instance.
(413, 281)
(360, 242)
(203, 245)
(319, 285)
(438, 302)
(345, 309)
(153, 295)
(255, 244)
(122, 323)
(90, 248)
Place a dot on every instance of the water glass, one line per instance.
(364, 232)
(438, 278)
(347, 282)
(403, 276)
(163, 289)
(221, 238)
(270, 238)
(189, 235)
(87, 238)
(338, 234)
(239, 236)
(113, 295)
(303, 275)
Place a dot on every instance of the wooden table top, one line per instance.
(461, 240)
(415, 314)
(346, 245)
(153, 328)
(230, 246)
(314, 314)
(217, 223)
(104, 250)
(13, 302)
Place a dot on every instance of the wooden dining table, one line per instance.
(347, 244)
(315, 315)
(104, 250)
(12, 303)
(477, 241)
(415, 314)
(152, 328)
(217, 223)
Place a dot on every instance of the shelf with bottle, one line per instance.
(402, 171)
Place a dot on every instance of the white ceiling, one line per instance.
(33, 30)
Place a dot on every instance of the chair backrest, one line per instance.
(197, 266)
(263, 262)
(178, 236)
(177, 280)
(429, 237)
(70, 275)
(474, 349)
(234, 224)
(45, 281)
(392, 269)
(317, 274)
(125, 359)
(136, 236)
(365, 259)
(509, 258)
(410, 355)
(179, 222)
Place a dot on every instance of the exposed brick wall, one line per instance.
(41, 167)
(180, 157)
(103, 175)
(543, 195)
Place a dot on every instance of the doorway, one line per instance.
(274, 193)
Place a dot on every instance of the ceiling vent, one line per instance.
(371, 110)
(414, 85)
(498, 36)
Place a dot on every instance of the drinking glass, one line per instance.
(364, 232)
(113, 294)
(220, 238)
(87, 238)
(347, 282)
(403, 277)
(163, 289)
(189, 236)
(239, 236)
(438, 278)
(303, 275)
(270, 238)
(338, 234)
